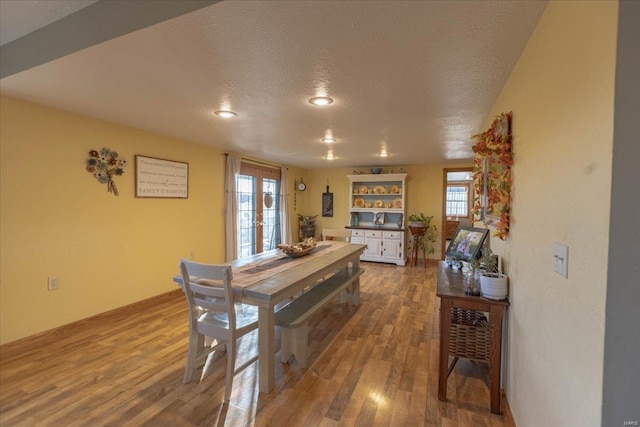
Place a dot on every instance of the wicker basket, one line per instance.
(469, 335)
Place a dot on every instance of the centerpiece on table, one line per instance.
(296, 250)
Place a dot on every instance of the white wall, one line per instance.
(561, 93)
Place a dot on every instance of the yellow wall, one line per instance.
(107, 251)
(561, 93)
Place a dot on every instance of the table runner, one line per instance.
(268, 265)
(252, 273)
(264, 269)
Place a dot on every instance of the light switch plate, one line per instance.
(52, 283)
(561, 259)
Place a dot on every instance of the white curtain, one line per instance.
(285, 228)
(231, 207)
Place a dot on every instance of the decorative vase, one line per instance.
(494, 285)
(355, 220)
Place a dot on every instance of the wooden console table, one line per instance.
(451, 292)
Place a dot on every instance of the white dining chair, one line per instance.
(212, 315)
(336, 234)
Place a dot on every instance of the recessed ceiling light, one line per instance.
(225, 114)
(321, 100)
(330, 155)
(329, 140)
(383, 154)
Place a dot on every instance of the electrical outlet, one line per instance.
(561, 259)
(52, 283)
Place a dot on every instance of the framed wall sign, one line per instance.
(161, 178)
(327, 203)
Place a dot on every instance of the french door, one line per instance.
(457, 195)
(258, 209)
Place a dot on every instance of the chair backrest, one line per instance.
(208, 288)
(336, 234)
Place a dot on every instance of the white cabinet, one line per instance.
(392, 246)
(378, 202)
(373, 240)
(357, 236)
(382, 246)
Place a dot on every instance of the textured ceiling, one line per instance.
(21, 17)
(415, 77)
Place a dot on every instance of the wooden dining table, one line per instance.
(269, 279)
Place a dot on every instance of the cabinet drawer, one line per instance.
(375, 234)
(358, 240)
(392, 235)
(357, 233)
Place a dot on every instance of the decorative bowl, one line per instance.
(297, 254)
(376, 170)
(298, 250)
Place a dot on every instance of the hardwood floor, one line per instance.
(372, 365)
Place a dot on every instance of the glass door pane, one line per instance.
(246, 216)
(258, 210)
(270, 214)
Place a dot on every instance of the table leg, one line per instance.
(445, 323)
(355, 265)
(495, 356)
(266, 349)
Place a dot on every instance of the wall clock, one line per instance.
(301, 185)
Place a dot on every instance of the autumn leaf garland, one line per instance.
(493, 152)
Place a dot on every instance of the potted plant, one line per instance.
(426, 232)
(493, 285)
(307, 225)
(418, 223)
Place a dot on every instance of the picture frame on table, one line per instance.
(467, 243)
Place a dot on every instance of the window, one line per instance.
(457, 200)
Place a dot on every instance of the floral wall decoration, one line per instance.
(492, 174)
(104, 164)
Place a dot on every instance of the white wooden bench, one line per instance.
(293, 317)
